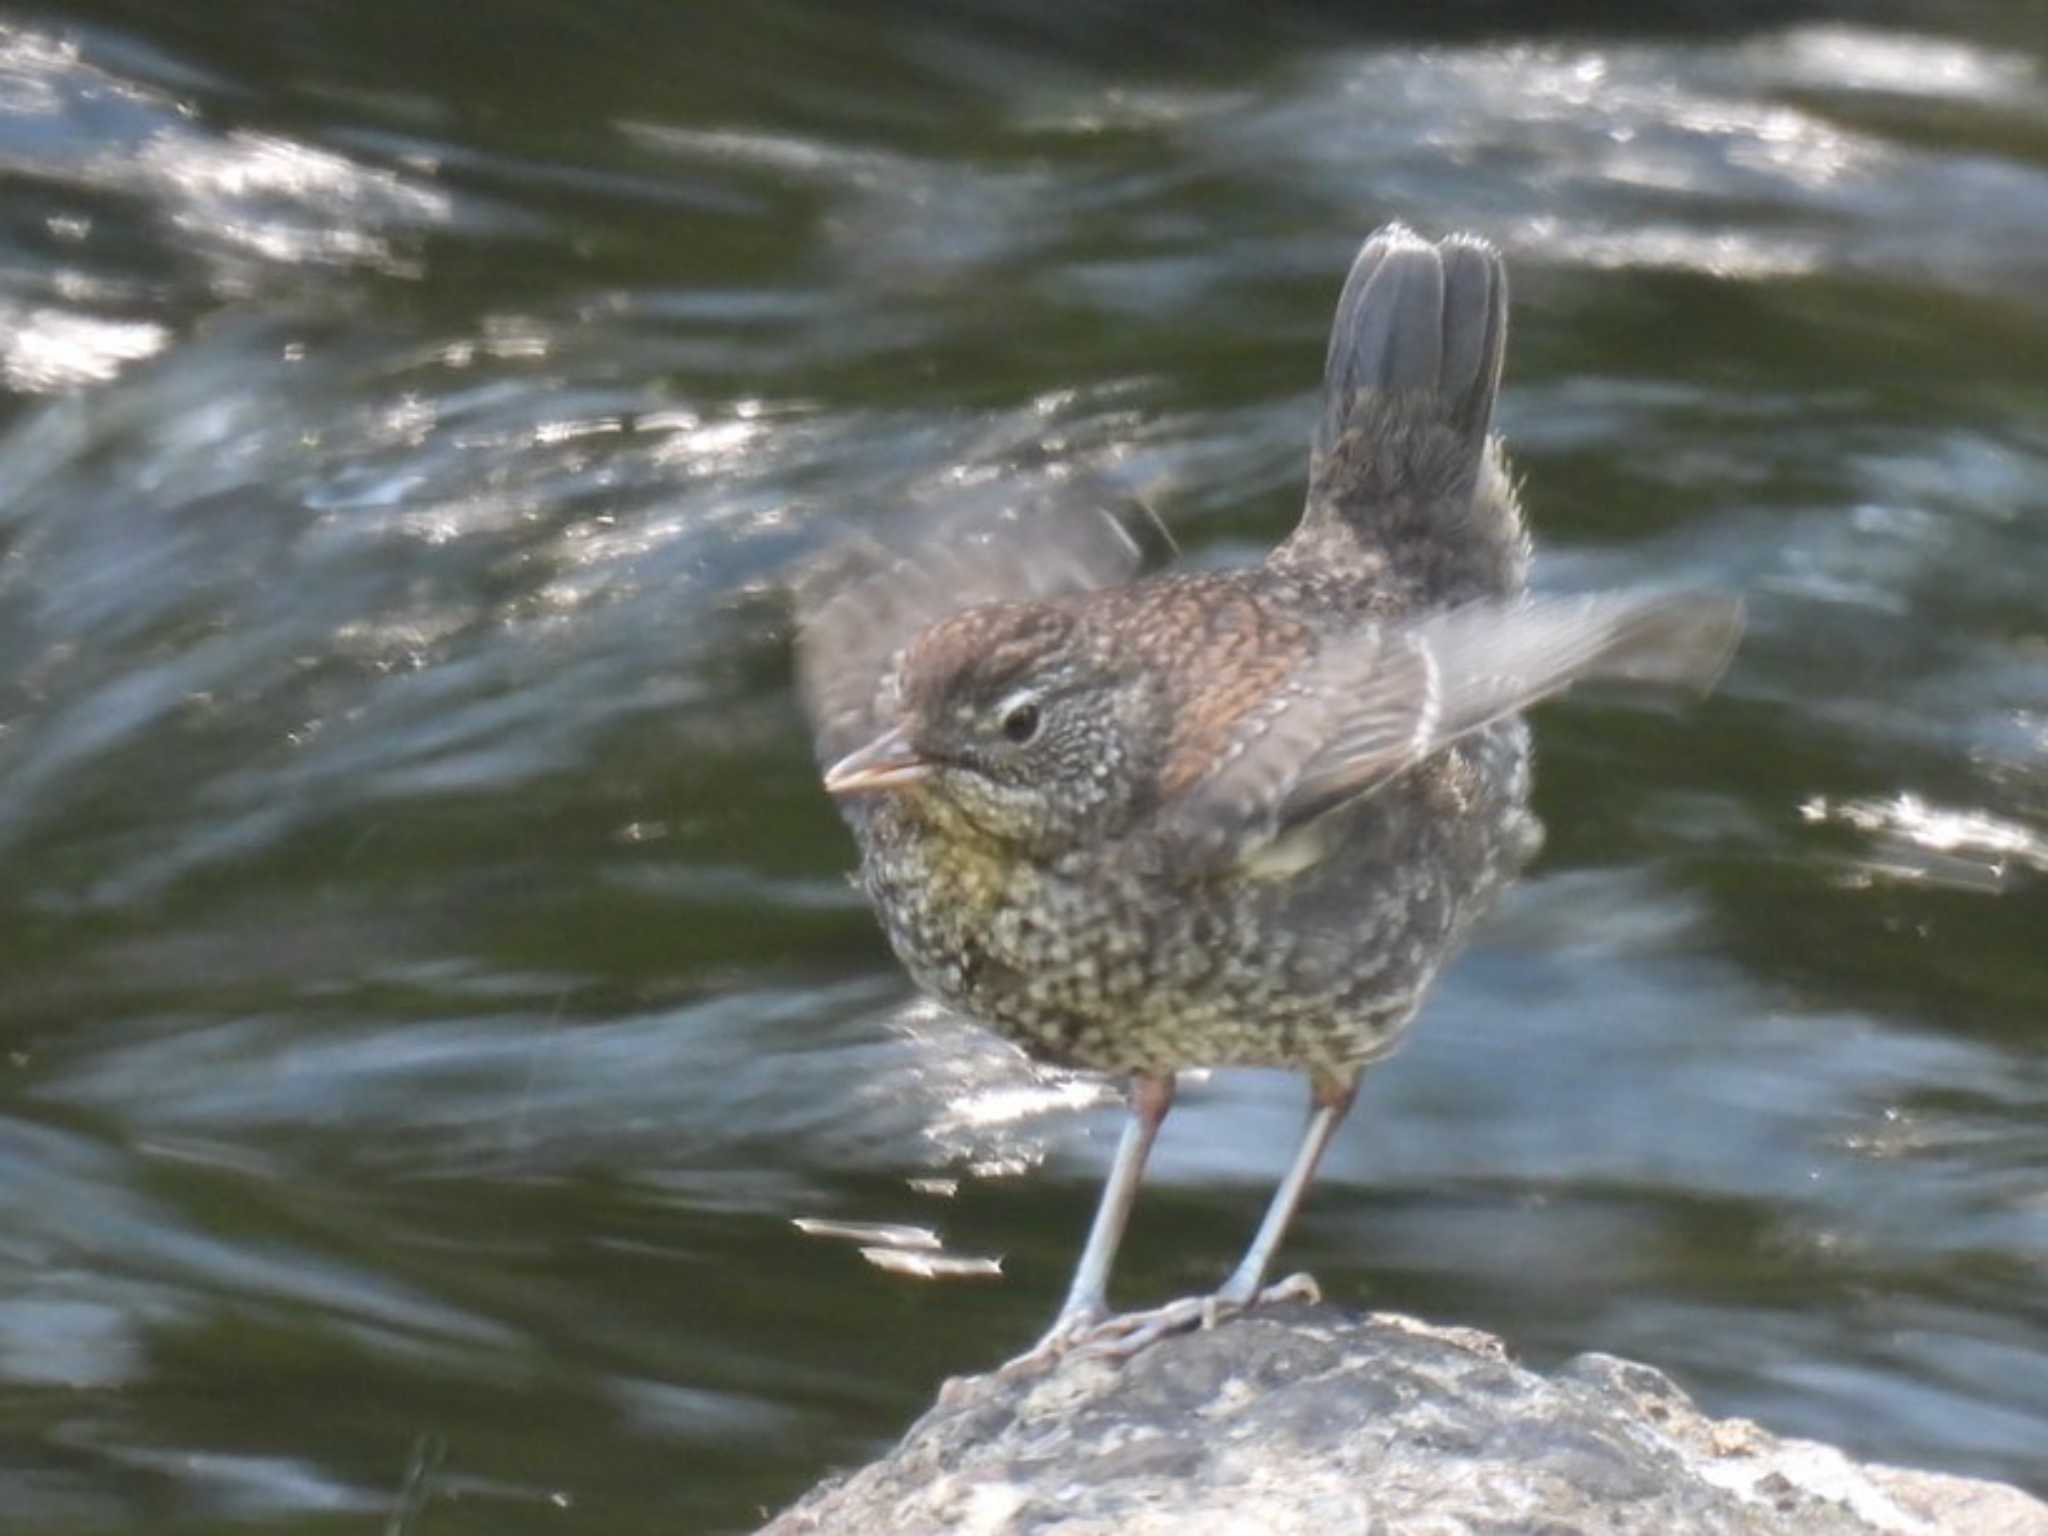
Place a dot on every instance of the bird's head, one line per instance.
(1020, 717)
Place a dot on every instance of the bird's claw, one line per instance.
(1068, 1331)
(1300, 1286)
(1120, 1337)
(1123, 1335)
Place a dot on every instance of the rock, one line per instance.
(1312, 1420)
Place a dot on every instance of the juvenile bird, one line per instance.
(1238, 818)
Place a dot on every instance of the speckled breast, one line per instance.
(1099, 964)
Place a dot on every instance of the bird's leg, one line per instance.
(1087, 1302)
(1330, 1095)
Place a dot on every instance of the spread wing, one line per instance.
(1385, 698)
(860, 602)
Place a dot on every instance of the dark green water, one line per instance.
(428, 989)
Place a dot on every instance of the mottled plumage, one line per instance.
(1238, 818)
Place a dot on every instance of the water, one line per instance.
(429, 991)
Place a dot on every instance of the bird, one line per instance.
(1140, 823)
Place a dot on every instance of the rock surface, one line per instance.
(1309, 1419)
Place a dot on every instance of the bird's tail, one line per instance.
(1405, 470)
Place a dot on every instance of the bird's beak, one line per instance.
(887, 762)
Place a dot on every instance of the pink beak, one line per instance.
(887, 762)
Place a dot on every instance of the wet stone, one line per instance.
(1312, 1420)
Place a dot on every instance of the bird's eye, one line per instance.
(1021, 723)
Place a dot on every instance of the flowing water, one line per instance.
(448, 1083)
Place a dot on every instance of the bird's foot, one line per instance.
(1120, 1337)
(1069, 1330)
(1090, 1335)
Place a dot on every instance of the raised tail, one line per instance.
(1405, 470)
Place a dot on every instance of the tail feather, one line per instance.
(1404, 462)
(1428, 322)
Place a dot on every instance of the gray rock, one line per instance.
(1309, 1419)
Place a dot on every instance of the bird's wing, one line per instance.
(861, 601)
(1387, 697)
